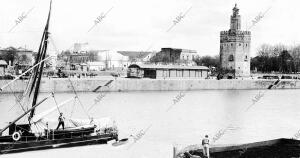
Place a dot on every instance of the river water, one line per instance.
(173, 117)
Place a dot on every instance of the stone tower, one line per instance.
(235, 47)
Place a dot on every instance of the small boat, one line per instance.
(276, 148)
(120, 142)
(35, 134)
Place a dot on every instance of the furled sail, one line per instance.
(31, 93)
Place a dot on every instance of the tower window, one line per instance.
(231, 58)
(231, 44)
(246, 58)
(239, 44)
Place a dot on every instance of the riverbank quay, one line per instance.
(118, 84)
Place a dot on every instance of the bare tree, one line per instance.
(295, 53)
(277, 49)
(264, 50)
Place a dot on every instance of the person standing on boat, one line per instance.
(61, 121)
(205, 144)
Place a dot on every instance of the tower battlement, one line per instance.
(238, 32)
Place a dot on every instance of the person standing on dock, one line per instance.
(61, 121)
(205, 144)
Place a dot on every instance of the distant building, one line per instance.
(78, 58)
(3, 66)
(235, 47)
(94, 59)
(180, 54)
(177, 55)
(167, 71)
(18, 59)
(20, 56)
(96, 66)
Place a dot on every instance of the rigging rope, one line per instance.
(52, 42)
(73, 107)
(17, 99)
(78, 98)
(55, 102)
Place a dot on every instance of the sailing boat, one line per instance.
(276, 148)
(35, 134)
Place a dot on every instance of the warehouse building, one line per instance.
(166, 71)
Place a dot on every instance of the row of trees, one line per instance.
(276, 58)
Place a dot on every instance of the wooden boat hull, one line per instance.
(14, 147)
(277, 148)
(120, 142)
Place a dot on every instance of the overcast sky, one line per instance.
(143, 24)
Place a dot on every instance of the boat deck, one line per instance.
(277, 148)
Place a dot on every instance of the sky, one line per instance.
(141, 25)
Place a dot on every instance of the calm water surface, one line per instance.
(275, 115)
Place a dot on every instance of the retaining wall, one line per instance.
(121, 84)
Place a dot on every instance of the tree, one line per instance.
(265, 50)
(9, 54)
(276, 58)
(208, 61)
(278, 48)
(160, 58)
(285, 61)
(23, 59)
(295, 53)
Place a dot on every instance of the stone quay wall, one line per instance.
(124, 84)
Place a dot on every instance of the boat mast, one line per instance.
(38, 71)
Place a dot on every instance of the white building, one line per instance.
(3, 66)
(96, 66)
